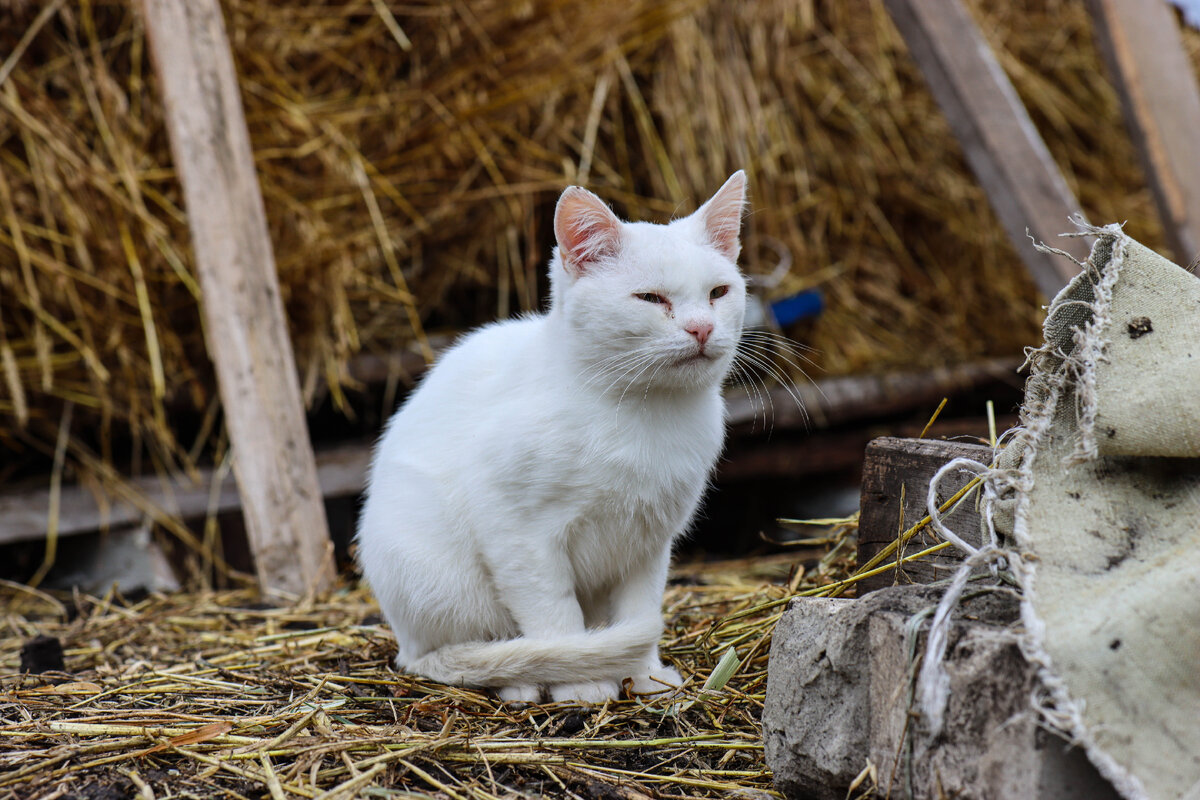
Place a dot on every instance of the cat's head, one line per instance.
(650, 306)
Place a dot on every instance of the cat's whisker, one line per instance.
(771, 344)
(637, 360)
(769, 355)
(650, 381)
(634, 379)
(599, 372)
(777, 339)
(618, 363)
(773, 370)
(776, 346)
(758, 399)
(774, 343)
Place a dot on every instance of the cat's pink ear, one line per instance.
(587, 231)
(722, 216)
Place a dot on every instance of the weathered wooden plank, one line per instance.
(1161, 100)
(245, 327)
(1001, 144)
(25, 513)
(896, 476)
(342, 471)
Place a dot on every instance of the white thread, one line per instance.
(933, 683)
(932, 501)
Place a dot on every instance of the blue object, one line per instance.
(805, 305)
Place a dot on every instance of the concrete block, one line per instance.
(128, 558)
(840, 690)
(816, 722)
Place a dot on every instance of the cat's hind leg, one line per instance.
(420, 567)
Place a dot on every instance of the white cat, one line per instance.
(523, 502)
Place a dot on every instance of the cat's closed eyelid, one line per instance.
(652, 297)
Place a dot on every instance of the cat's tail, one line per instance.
(611, 653)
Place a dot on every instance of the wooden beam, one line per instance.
(1153, 75)
(827, 453)
(245, 329)
(25, 512)
(341, 471)
(1001, 144)
(895, 484)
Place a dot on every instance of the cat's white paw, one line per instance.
(657, 679)
(520, 694)
(585, 692)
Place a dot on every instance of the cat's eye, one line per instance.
(718, 291)
(651, 297)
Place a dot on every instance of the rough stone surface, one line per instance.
(127, 558)
(839, 691)
(816, 722)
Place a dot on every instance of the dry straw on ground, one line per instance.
(213, 695)
(218, 695)
(410, 155)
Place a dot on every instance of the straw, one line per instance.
(212, 693)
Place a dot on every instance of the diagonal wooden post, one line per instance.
(1161, 101)
(1001, 144)
(245, 329)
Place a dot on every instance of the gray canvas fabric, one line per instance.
(1098, 498)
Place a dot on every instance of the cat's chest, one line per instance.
(643, 478)
(653, 452)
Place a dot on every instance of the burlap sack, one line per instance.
(1103, 516)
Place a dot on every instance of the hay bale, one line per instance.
(409, 158)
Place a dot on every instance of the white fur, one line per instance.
(523, 502)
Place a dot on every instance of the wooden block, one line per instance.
(896, 476)
(245, 328)
(1001, 144)
(1161, 101)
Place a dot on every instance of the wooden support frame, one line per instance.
(245, 328)
(1160, 97)
(1002, 146)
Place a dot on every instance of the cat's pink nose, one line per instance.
(700, 330)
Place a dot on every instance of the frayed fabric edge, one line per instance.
(1053, 703)
(1055, 373)
(1089, 343)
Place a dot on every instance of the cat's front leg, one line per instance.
(521, 695)
(535, 585)
(640, 595)
(585, 692)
